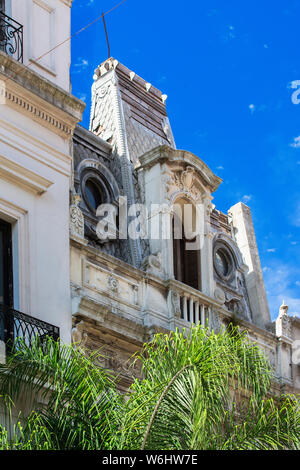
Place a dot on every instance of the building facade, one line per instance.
(109, 235)
(132, 274)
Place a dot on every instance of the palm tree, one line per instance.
(203, 390)
(73, 398)
(199, 390)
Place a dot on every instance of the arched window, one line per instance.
(98, 189)
(186, 250)
(93, 194)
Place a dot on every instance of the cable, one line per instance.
(70, 37)
(81, 30)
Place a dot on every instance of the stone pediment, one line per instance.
(182, 169)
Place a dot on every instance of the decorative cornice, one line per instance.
(29, 93)
(165, 153)
(31, 181)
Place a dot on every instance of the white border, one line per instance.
(18, 217)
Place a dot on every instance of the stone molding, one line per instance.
(31, 94)
(31, 181)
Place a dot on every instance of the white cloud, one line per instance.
(220, 167)
(271, 250)
(257, 108)
(82, 97)
(162, 79)
(296, 143)
(80, 65)
(230, 34)
(246, 198)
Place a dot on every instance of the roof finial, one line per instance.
(283, 308)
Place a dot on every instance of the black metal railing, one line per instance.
(11, 37)
(14, 324)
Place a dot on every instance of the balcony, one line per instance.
(14, 324)
(11, 37)
(191, 306)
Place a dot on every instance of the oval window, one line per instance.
(222, 263)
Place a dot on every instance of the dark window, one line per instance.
(186, 262)
(2, 5)
(6, 277)
(93, 194)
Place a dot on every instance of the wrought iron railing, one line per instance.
(11, 37)
(14, 324)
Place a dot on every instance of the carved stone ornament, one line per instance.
(79, 336)
(284, 322)
(219, 295)
(76, 218)
(175, 299)
(152, 263)
(183, 181)
(113, 284)
(102, 91)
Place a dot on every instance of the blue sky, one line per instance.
(228, 69)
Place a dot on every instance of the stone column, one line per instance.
(245, 238)
(207, 275)
(283, 327)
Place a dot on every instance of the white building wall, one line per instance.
(46, 23)
(41, 254)
(37, 118)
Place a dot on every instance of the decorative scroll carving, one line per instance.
(11, 37)
(76, 218)
(174, 303)
(153, 263)
(185, 181)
